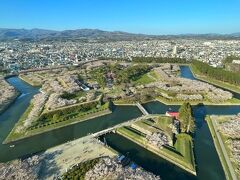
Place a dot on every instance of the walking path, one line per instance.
(144, 111)
(226, 157)
(105, 131)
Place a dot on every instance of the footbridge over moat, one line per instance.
(142, 109)
(112, 129)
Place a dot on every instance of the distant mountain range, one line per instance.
(96, 34)
(39, 34)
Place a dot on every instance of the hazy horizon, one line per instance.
(120, 31)
(136, 16)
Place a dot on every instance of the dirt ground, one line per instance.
(58, 159)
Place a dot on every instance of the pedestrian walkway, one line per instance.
(144, 111)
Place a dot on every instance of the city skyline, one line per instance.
(157, 18)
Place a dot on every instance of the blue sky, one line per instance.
(138, 16)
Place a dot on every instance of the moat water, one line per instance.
(55, 137)
(208, 164)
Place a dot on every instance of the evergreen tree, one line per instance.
(217, 73)
(186, 118)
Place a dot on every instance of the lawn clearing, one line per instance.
(144, 79)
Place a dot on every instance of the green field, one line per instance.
(144, 79)
(40, 126)
(184, 145)
(144, 126)
(180, 154)
(160, 123)
(154, 74)
(163, 122)
(131, 134)
(68, 117)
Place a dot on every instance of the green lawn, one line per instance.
(182, 155)
(234, 101)
(184, 145)
(144, 79)
(131, 134)
(163, 122)
(154, 74)
(145, 127)
(69, 117)
(50, 124)
(115, 91)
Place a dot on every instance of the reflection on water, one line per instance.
(199, 113)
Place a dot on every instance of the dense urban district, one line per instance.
(80, 81)
(18, 55)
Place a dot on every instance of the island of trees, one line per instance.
(217, 73)
(186, 118)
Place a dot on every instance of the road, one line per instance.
(226, 157)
